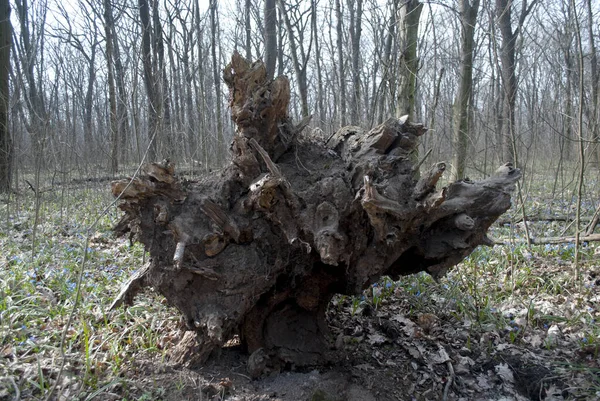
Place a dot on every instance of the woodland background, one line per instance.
(91, 83)
(91, 89)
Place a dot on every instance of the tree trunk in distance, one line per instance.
(410, 14)
(299, 58)
(149, 79)
(163, 93)
(200, 88)
(468, 17)
(112, 93)
(248, 28)
(36, 105)
(509, 79)
(340, 61)
(119, 73)
(387, 66)
(217, 80)
(355, 33)
(595, 95)
(123, 128)
(270, 27)
(320, 93)
(260, 248)
(6, 148)
(408, 30)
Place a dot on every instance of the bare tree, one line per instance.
(408, 20)
(468, 19)
(340, 62)
(580, 139)
(162, 84)
(509, 74)
(248, 28)
(270, 37)
(217, 79)
(594, 114)
(199, 84)
(388, 65)
(123, 130)
(86, 44)
(6, 147)
(150, 78)
(29, 60)
(112, 93)
(356, 16)
(300, 55)
(320, 94)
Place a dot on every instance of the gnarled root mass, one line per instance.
(259, 249)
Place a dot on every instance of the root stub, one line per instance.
(259, 249)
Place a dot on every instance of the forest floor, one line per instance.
(509, 323)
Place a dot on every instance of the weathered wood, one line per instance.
(260, 248)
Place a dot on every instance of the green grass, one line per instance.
(37, 292)
(518, 294)
(516, 291)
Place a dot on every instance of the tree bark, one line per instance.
(162, 85)
(88, 125)
(468, 18)
(340, 61)
(595, 93)
(122, 123)
(248, 29)
(509, 79)
(34, 97)
(149, 79)
(112, 93)
(508, 71)
(270, 33)
(200, 88)
(260, 248)
(220, 145)
(355, 34)
(280, 49)
(320, 93)
(123, 129)
(6, 148)
(410, 14)
(386, 80)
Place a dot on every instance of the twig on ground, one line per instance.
(450, 380)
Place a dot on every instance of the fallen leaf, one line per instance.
(483, 382)
(440, 357)
(464, 365)
(407, 325)
(413, 351)
(376, 339)
(535, 340)
(504, 372)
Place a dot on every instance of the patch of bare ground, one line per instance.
(392, 351)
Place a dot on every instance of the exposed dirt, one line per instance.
(381, 355)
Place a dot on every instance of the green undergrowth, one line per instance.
(517, 295)
(37, 292)
(517, 292)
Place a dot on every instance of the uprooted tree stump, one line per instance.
(259, 249)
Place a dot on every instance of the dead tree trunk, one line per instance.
(259, 249)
